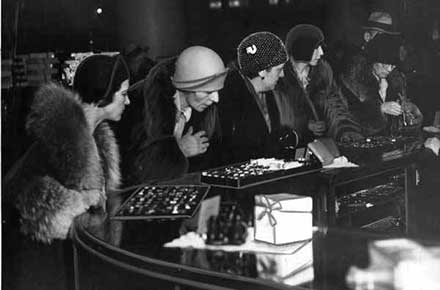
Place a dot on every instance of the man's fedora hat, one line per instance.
(381, 22)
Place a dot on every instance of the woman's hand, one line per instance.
(94, 198)
(391, 108)
(193, 144)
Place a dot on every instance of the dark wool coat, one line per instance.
(327, 100)
(361, 89)
(245, 134)
(65, 171)
(154, 153)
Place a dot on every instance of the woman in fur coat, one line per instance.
(179, 123)
(373, 95)
(310, 102)
(71, 166)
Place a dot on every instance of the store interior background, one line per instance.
(166, 27)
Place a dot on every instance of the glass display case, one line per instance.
(135, 248)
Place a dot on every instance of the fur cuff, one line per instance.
(48, 209)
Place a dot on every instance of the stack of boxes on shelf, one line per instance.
(34, 69)
(41, 68)
(6, 73)
(19, 71)
(30, 70)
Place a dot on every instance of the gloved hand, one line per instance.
(413, 114)
(351, 136)
(433, 144)
(317, 127)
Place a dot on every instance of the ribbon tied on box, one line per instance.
(268, 208)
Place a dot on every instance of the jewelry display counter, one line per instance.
(129, 254)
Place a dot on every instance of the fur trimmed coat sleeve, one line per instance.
(65, 171)
(324, 94)
(154, 153)
(331, 104)
(365, 103)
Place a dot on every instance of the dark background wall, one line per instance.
(223, 29)
(62, 25)
(159, 24)
(167, 26)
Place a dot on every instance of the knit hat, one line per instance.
(260, 51)
(384, 49)
(382, 22)
(302, 40)
(98, 77)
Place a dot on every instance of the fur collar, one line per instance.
(75, 157)
(364, 89)
(66, 168)
(159, 109)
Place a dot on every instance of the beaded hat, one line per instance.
(260, 51)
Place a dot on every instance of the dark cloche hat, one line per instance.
(302, 40)
(259, 51)
(384, 49)
(99, 76)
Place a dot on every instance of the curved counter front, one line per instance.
(113, 254)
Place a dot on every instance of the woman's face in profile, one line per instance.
(120, 100)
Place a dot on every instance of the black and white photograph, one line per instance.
(220, 144)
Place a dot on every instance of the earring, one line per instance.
(262, 77)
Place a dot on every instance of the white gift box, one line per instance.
(283, 218)
(292, 269)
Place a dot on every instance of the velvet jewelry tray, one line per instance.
(162, 202)
(248, 174)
